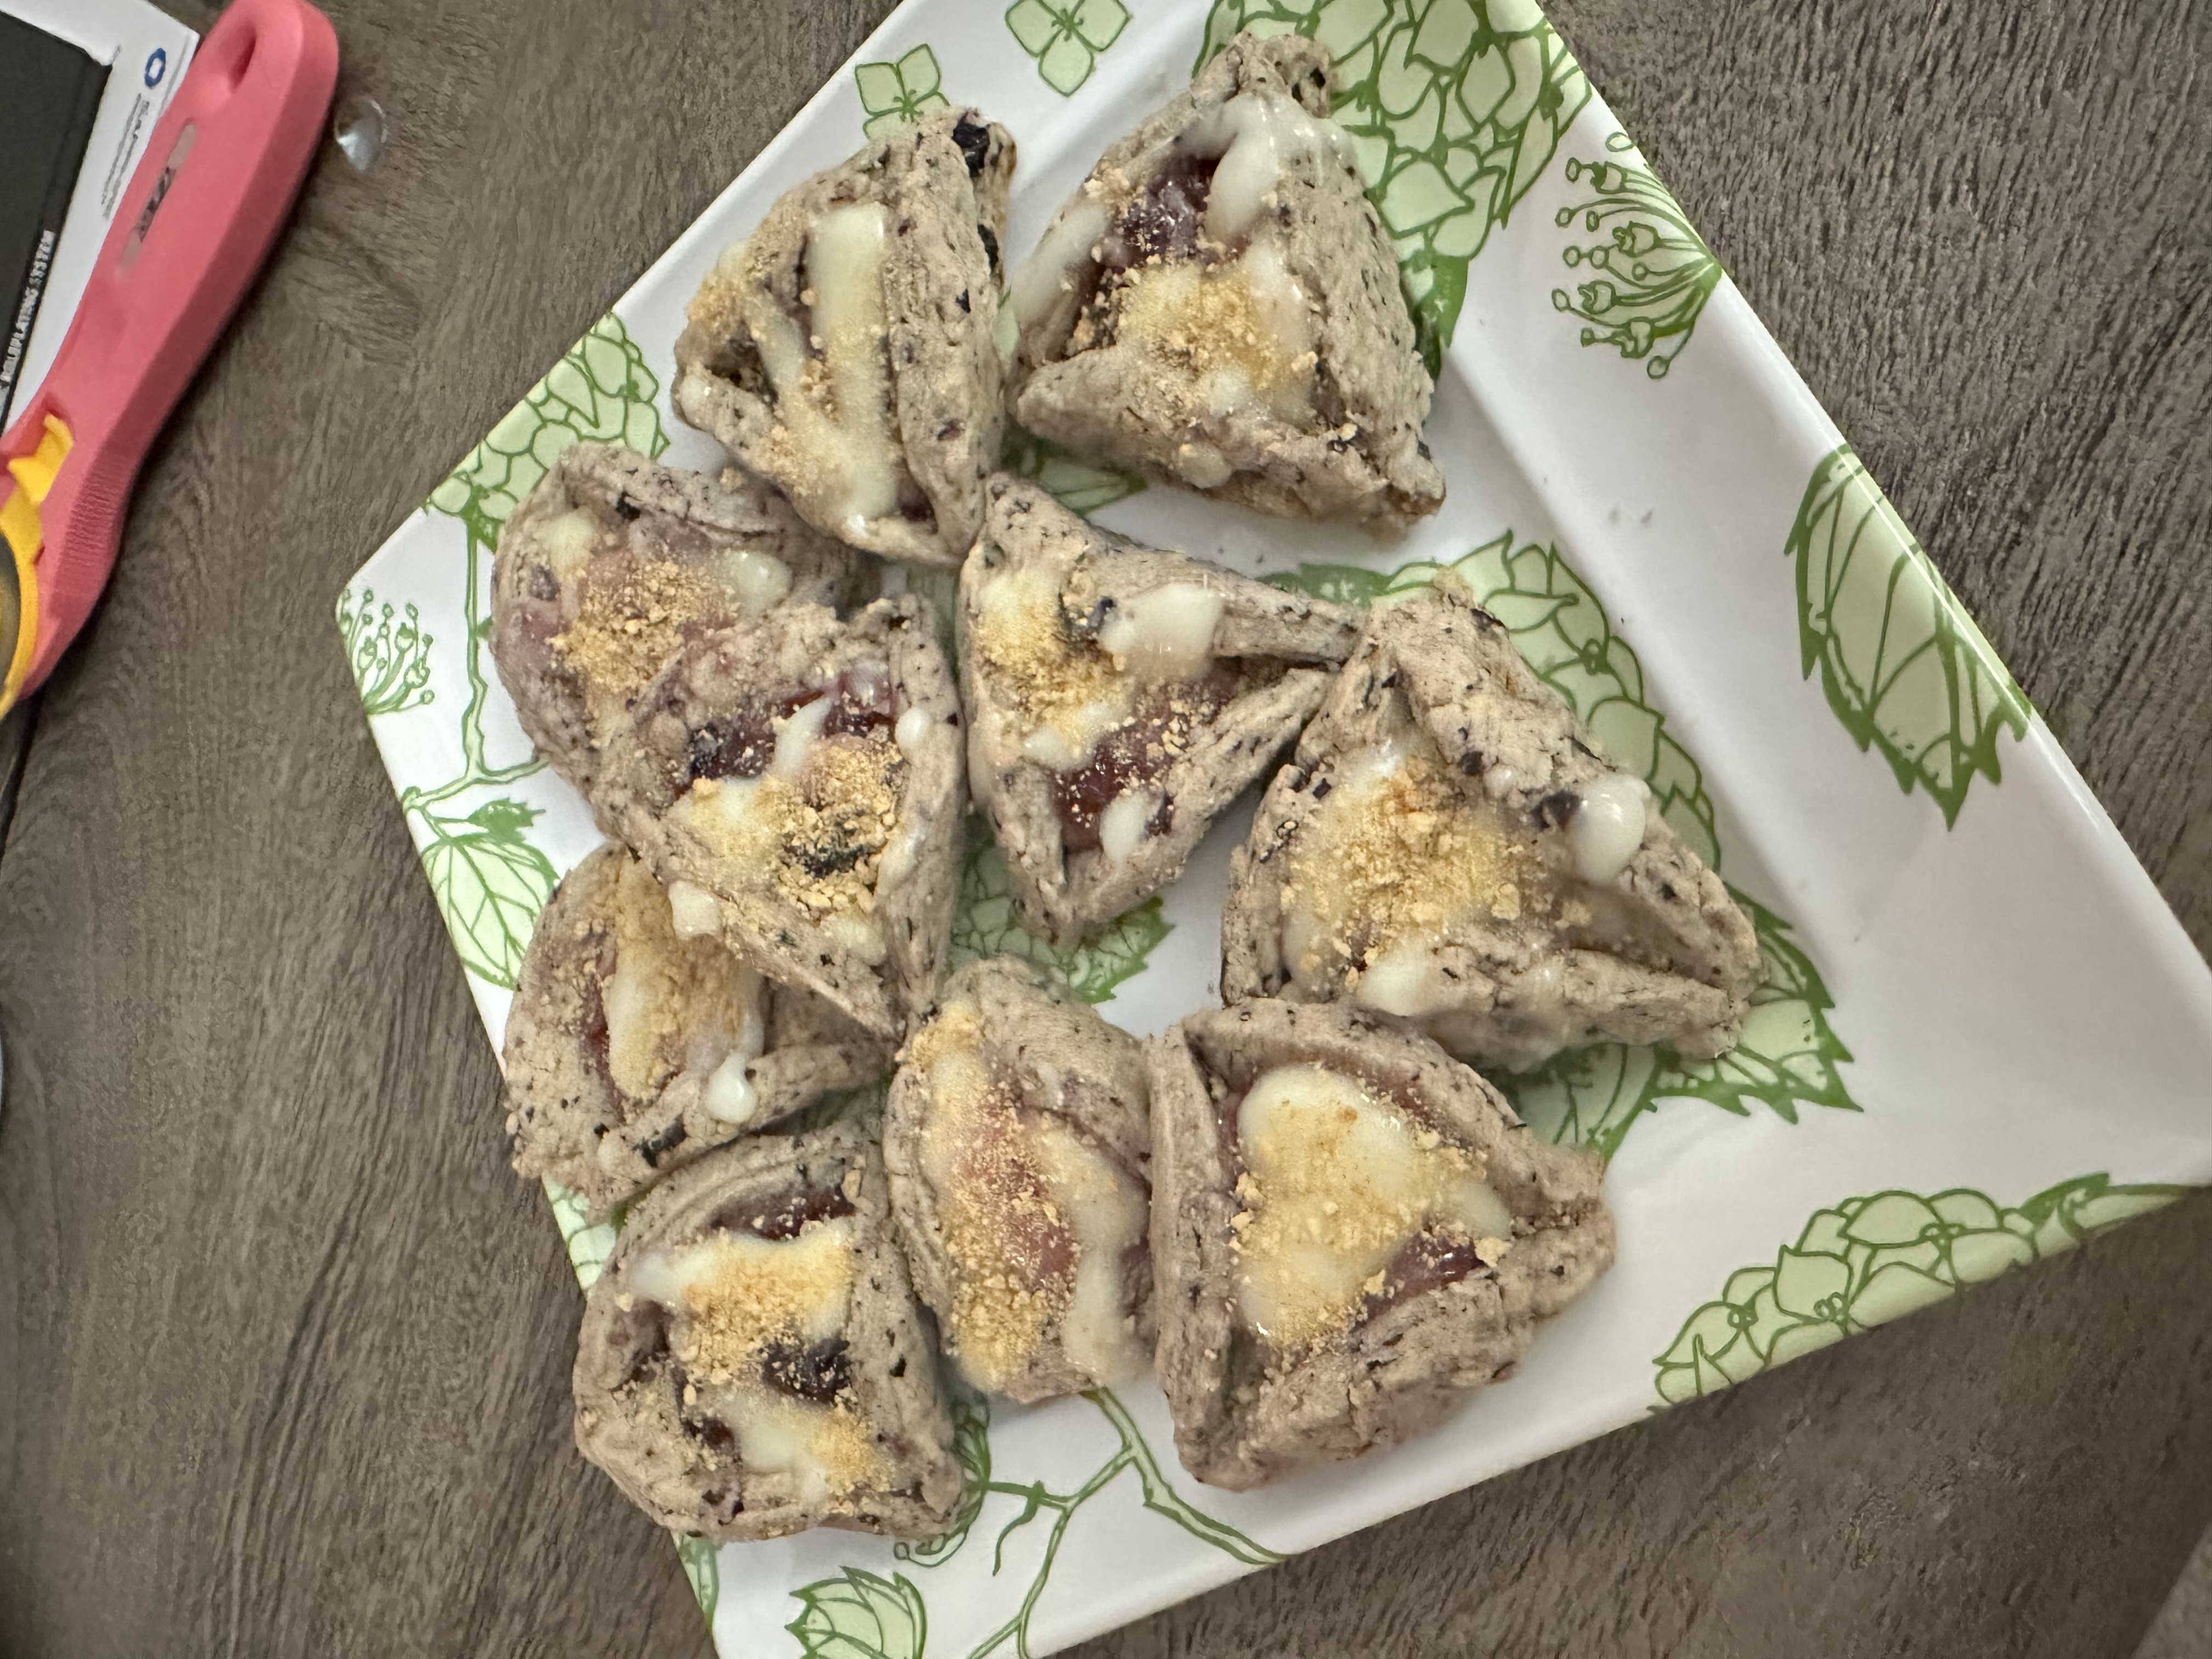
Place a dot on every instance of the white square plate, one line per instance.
(1984, 1036)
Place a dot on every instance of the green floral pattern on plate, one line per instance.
(589, 1242)
(600, 391)
(1076, 485)
(1872, 1259)
(876, 1618)
(1651, 278)
(702, 1571)
(971, 1445)
(860, 1615)
(1902, 663)
(489, 880)
(389, 651)
(897, 92)
(1454, 107)
(1789, 1055)
(1067, 36)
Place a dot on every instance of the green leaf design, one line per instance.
(389, 651)
(1559, 627)
(896, 93)
(1789, 1053)
(1077, 486)
(1903, 666)
(853, 1610)
(489, 881)
(1067, 36)
(1786, 1059)
(1455, 107)
(600, 391)
(971, 1444)
(860, 1616)
(489, 884)
(589, 1243)
(1874, 1259)
(1650, 281)
(985, 924)
(1339, 583)
(703, 1572)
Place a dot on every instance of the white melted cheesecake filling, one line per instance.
(758, 581)
(567, 539)
(1338, 1181)
(1166, 633)
(1257, 134)
(1608, 825)
(1231, 338)
(731, 1296)
(1052, 269)
(752, 824)
(843, 458)
(1037, 1221)
(1107, 1216)
(1067, 694)
(678, 1007)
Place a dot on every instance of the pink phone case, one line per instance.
(208, 198)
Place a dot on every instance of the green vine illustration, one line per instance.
(1789, 1055)
(860, 1615)
(1657, 273)
(1872, 1259)
(1786, 1059)
(1902, 663)
(389, 651)
(1066, 38)
(971, 1446)
(589, 1242)
(1076, 485)
(986, 923)
(489, 880)
(1454, 106)
(897, 92)
(703, 1572)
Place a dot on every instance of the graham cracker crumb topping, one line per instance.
(1014, 1255)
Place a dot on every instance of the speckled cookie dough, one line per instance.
(1451, 847)
(1219, 306)
(1119, 697)
(851, 349)
(1017, 1141)
(1350, 1230)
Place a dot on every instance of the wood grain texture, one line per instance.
(282, 1345)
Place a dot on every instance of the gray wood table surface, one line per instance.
(284, 1346)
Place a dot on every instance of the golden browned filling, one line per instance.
(755, 1329)
(1107, 711)
(1348, 1202)
(676, 1005)
(1036, 1222)
(799, 798)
